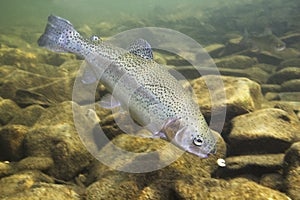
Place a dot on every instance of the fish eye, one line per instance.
(95, 38)
(198, 141)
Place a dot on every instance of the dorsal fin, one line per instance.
(141, 48)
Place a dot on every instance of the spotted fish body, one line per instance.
(152, 95)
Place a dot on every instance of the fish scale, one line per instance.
(149, 91)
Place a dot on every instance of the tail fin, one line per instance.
(57, 35)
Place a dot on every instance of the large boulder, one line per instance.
(241, 95)
(54, 135)
(268, 130)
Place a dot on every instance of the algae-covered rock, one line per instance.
(252, 164)
(112, 188)
(291, 86)
(235, 62)
(157, 183)
(294, 62)
(28, 116)
(35, 163)
(265, 57)
(159, 152)
(274, 181)
(17, 57)
(11, 142)
(292, 171)
(19, 182)
(8, 109)
(214, 50)
(265, 88)
(54, 135)
(264, 131)
(35, 185)
(284, 75)
(5, 169)
(242, 95)
(235, 189)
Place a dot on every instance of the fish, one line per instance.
(153, 96)
(266, 41)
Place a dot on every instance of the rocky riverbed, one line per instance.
(42, 156)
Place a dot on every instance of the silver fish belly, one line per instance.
(152, 95)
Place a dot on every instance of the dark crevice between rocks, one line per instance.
(257, 146)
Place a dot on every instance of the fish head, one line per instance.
(195, 142)
(189, 138)
(277, 44)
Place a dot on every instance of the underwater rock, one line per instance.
(274, 181)
(17, 57)
(252, 164)
(238, 188)
(284, 75)
(289, 96)
(11, 142)
(291, 38)
(242, 95)
(294, 62)
(232, 47)
(112, 188)
(35, 185)
(264, 131)
(190, 72)
(8, 109)
(5, 169)
(235, 62)
(272, 96)
(28, 88)
(13, 41)
(28, 116)
(55, 59)
(291, 86)
(54, 135)
(19, 182)
(264, 57)
(142, 185)
(145, 145)
(266, 67)
(34, 163)
(265, 88)
(292, 171)
(270, 161)
(214, 50)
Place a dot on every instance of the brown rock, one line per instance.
(265, 88)
(284, 75)
(291, 86)
(238, 188)
(235, 62)
(11, 142)
(242, 95)
(8, 109)
(263, 131)
(112, 188)
(5, 169)
(35, 163)
(54, 135)
(274, 181)
(28, 116)
(20, 182)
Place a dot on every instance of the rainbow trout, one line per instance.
(153, 96)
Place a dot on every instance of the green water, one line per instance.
(203, 20)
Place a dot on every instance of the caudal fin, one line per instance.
(57, 35)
